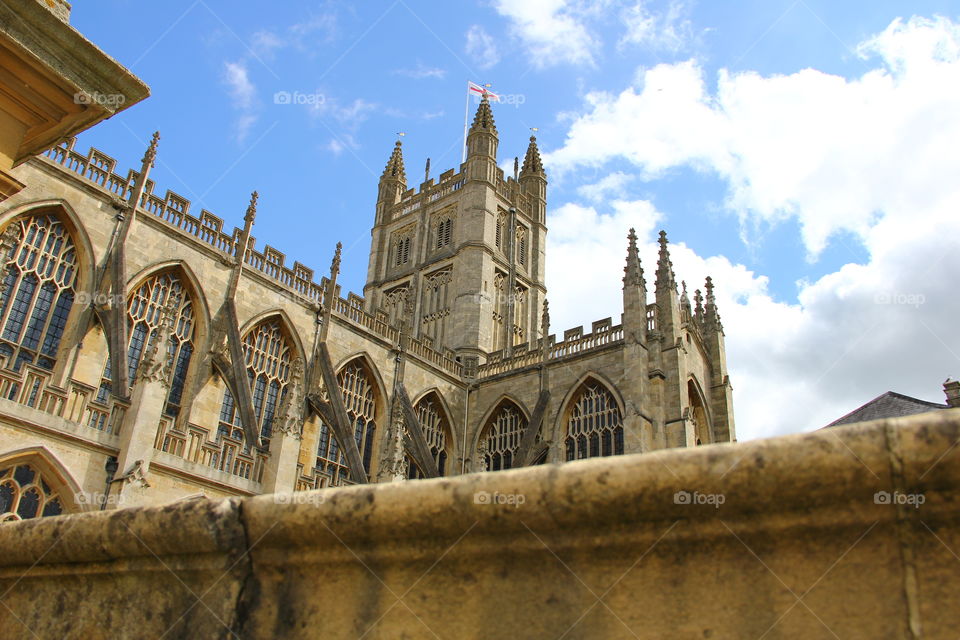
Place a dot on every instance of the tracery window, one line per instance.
(359, 400)
(433, 421)
(594, 425)
(501, 227)
(24, 493)
(144, 316)
(503, 433)
(444, 233)
(435, 305)
(41, 273)
(395, 303)
(267, 352)
(519, 314)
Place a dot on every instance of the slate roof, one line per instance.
(887, 405)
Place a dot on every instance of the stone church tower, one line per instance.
(133, 372)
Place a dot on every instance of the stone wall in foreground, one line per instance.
(842, 533)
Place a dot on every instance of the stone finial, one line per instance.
(711, 301)
(426, 171)
(335, 263)
(532, 163)
(516, 168)
(633, 272)
(952, 390)
(483, 120)
(151, 154)
(394, 168)
(251, 214)
(545, 319)
(698, 302)
(666, 281)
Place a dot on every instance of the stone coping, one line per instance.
(846, 532)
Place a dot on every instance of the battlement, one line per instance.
(451, 181)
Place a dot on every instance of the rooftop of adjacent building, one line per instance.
(894, 405)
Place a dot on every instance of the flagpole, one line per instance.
(466, 116)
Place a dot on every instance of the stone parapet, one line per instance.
(848, 532)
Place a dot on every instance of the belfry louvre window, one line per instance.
(401, 251)
(501, 225)
(40, 274)
(521, 245)
(435, 425)
(359, 399)
(145, 311)
(24, 493)
(594, 426)
(444, 232)
(267, 354)
(502, 440)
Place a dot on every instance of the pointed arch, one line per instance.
(434, 419)
(201, 307)
(47, 268)
(699, 412)
(590, 420)
(270, 348)
(501, 432)
(86, 258)
(288, 327)
(34, 483)
(364, 401)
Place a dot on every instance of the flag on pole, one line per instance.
(473, 87)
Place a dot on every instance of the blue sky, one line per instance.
(789, 148)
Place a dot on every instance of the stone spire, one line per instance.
(394, 168)
(251, 213)
(665, 278)
(633, 272)
(545, 319)
(532, 164)
(698, 308)
(483, 120)
(151, 154)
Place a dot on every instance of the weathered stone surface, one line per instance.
(790, 537)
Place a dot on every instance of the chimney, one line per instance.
(952, 389)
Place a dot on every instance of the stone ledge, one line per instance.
(598, 548)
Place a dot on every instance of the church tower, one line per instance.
(463, 256)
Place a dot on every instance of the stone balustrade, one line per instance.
(847, 532)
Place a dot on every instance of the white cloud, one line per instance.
(481, 47)
(349, 115)
(670, 31)
(874, 156)
(243, 93)
(553, 31)
(613, 184)
(422, 71)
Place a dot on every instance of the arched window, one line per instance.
(521, 245)
(145, 311)
(501, 226)
(38, 291)
(267, 352)
(401, 251)
(499, 309)
(25, 493)
(433, 421)
(698, 415)
(594, 423)
(357, 389)
(501, 437)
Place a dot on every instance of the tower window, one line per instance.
(444, 232)
(402, 251)
(521, 245)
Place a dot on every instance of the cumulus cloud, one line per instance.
(481, 47)
(873, 156)
(552, 31)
